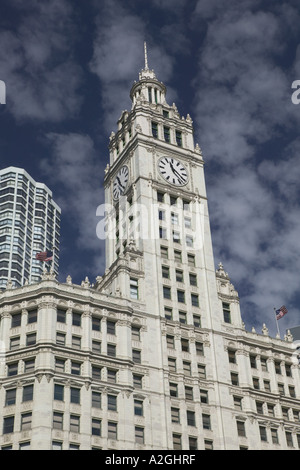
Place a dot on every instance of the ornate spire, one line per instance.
(146, 56)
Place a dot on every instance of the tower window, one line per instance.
(181, 296)
(134, 288)
(164, 252)
(155, 129)
(160, 196)
(226, 312)
(167, 134)
(165, 270)
(179, 138)
(167, 292)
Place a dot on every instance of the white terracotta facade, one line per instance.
(155, 354)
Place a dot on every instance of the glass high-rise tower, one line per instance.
(29, 223)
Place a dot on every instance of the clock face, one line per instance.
(173, 171)
(120, 182)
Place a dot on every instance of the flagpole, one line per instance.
(276, 322)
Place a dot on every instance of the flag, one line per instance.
(44, 256)
(280, 312)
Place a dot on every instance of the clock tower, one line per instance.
(158, 247)
(155, 188)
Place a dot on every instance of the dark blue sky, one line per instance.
(68, 68)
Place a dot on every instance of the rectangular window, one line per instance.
(179, 138)
(75, 368)
(197, 321)
(136, 356)
(193, 279)
(184, 345)
(176, 236)
(26, 421)
(241, 428)
(58, 392)
(75, 395)
(237, 402)
(177, 256)
(31, 339)
(193, 445)
(76, 319)
(181, 296)
(96, 400)
(199, 349)
(96, 372)
(96, 427)
(204, 396)
(172, 364)
(173, 390)
(206, 421)
(195, 300)
(135, 333)
(289, 439)
(139, 435)
(201, 371)
(165, 271)
(16, 320)
(96, 324)
(76, 342)
(58, 420)
(187, 368)
(263, 433)
(182, 317)
(226, 312)
(189, 395)
(154, 129)
(134, 288)
(160, 196)
(74, 423)
(162, 233)
(274, 436)
(234, 378)
(60, 365)
(179, 275)
(189, 241)
(191, 260)
(256, 383)
(8, 424)
(231, 356)
(111, 376)
(12, 369)
(167, 134)
(168, 313)
(252, 361)
(14, 343)
(167, 292)
(27, 393)
(175, 415)
(61, 315)
(164, 252)
(112, 429)
(10, 397)
(61, 339)
(170, 341)
(111, 327)
(111, 350)
(96, 347)
(138, 408)
(32, 316)
(112, 402)
(29, 365)
(137, 381)
(190, 417)
(259, 407)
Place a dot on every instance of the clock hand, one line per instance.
(178, 175)
(120, 184)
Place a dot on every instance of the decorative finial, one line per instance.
(146, 56)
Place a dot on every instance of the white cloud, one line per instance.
(36, 63)
(118, 57)
(75, 172)
(243, 102)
